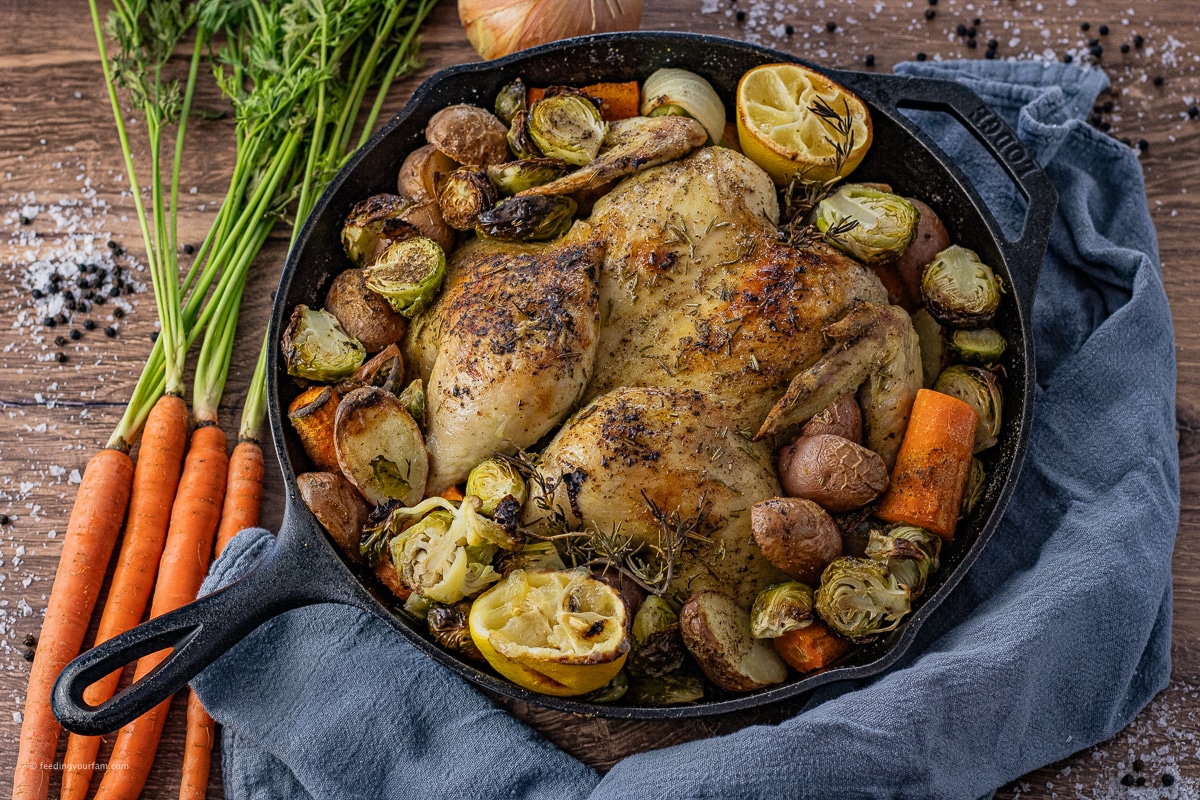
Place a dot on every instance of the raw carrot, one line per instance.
(243, 494)
(810, 648)
(91, 535)
(194, 519)
(155, 479)
(197, 750)
(932, 465)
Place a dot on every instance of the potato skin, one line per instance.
(363, 314)
(931, 239)
(716, 631)
(338, 506)
(834, 472)
(842, 418)
(373, 424)
(422, 172)
(469, 135)
(796, 535)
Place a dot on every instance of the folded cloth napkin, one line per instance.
(1057, 637)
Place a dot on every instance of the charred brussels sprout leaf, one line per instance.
(517, 176)
(981, 348)
(408, 275)
(868, 224)
(511, 100)
(610, 693)
(492, 481)
(909, 553)
(781, 608)
(413, 398)
(375, 223)
(960, 290)
(980, 389)
(528, 219)
(675, 689)
(466, 194)
(659, 653)
(519, 140)
(317, 349)
(417, 606)
(655, 614)
(567, 126)
(860, 598)
(448, 627)
(976, 483)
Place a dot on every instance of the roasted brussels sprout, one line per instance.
(981, 348)
(408, 275)
(466, 194)
(383, 219)
(860, 598)
(417, 606)
(960, 290)
(448, 627)
(528, 219)
(933, 346)
(492, 481)
(535, 555)
(675, 689)
(976, 483)
(567, 126)
(910, 554)
(317, 349)
(510, 100)
(517, 176)
(869, 224)
(656, 614)
(610, 693)
(661, 652)
(413, 398)
(439, 562)
(519, 140)
(781, 608)
(980, 389)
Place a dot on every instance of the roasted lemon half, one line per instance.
(558, 632)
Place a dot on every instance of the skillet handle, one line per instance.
(1023, 254)
(296, 572)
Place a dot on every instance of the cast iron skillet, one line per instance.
(305, 567)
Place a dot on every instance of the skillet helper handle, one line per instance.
(291, 575)
(1023, 254)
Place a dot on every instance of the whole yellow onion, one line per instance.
(499, 27)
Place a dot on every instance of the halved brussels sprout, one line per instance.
(677, 688)
(519, 140)
(436, 559)
(535, 218)
(910, 554)
(933, 346)
(976, 483)
(466, 194)
(781, 608)
(567, 126)
(981, 348)
(492, 481)
(413, 398)
(980, 389)
(960, 290)
(610, 693)
(677, 92)
(661, 652)
(517, 176)
(655, 614)
(510, 100)
(317, 349)
(448, 627)
(869, 224)
(383, 219)
(860, 598)
(533, 556)
(408, 275)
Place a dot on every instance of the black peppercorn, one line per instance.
(100, 300)
(869, 60)
(110, 331)
(27, 655)
(1124, 47)
(89, 294)
(54, 288)
(1068, 58)
(82, 282)
(76, 334)
(68, 295)
(1085, 27)
(112, 245)
(60, 357)
(91, 268)
(49, 322)
(82, 267)
(1103, 30)
(36, 294)
(154, 336)
(55, 278)
(115, 291)
(89, 324)
(118, 312)
(1093, 42)
(933, 2)
(60, 340)
(990, 54)
(1141, 781)
(921, 56)
(961, 30)
(1194, 112)
(930, 13)
(1167, 779)
(30, 640)
(1105, 125)
(788, 29)
(1138, 765)
(4, 520)
(831, 26)
(1138, 41)
(972, 44)
(993, 44)
(187, 248)
(1096, 50)
(1127, 780)
(26, 220)
(977, 22)
(1158, 80)
(972, 32)
(1125, 140)
(1108, 106)
(1143, 145)
(741, 15)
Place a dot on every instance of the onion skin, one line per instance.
(499, 27)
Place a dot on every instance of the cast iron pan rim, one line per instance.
(912, 625)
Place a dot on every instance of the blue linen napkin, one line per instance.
(1055, 639)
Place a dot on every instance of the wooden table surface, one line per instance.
(62, 172)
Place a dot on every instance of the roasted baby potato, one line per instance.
(930, 240)
(796, 535)
(384, 219)
(312, 414)
(362, 313)
(422, 173)
(842, 418)
(716, 631)
(379, 447)
(469, 135)
(338, 506)
(385, 370)
(834, 472)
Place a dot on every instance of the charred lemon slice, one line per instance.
(558, 632)
(792, 120)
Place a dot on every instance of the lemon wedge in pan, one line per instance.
(557, 632)
(792, 120)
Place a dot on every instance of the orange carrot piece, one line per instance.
(243, 493)
(155, 479)
(617, 100)
(453, 494)
(312, 414)
(810, 648)
(533, 94)
(197, 750)
(91, 535)
(194, 520)
(933, 464)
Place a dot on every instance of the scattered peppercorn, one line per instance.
(1108, 106)
(60, 357)
(36, 294)
(4, 520)
(961, 30)
(1103, 30)
(1143, 145)
(89, 294)
(1141, 781)
(89, 324)
(110, 331)
(28, 654)
(1127, 780)
(1085, 27)
(977, 22)
(1105, 125)
(1138, 41)
(130, 288)
(187, 248)
(112, 245)
(831, 26)
(115, 291)
(993, 44)
(1158, 80)
(1125, 140)
(76, 334)
(26, 220)
(972, 44)
(154, 336)
(930, 13)
(1167, 779)
(1068, 58)
(972, 32)
(60, 340)
(1124, 47)
(990, 54)
(30, 640)
(49, 322)
(933, 2)
(1093, 42)
(118, 312)
(100, 300)
(1097, 50)
(1138, 765)
(60, 318)
(91, 268)
(1094, 119)
(869, 60)
(83, 305)
(921, 56)
(741, 15)
(1194, 112)
(82, 282)
(55, 277)
(788, 29)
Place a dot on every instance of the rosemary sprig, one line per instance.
(842, 123)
